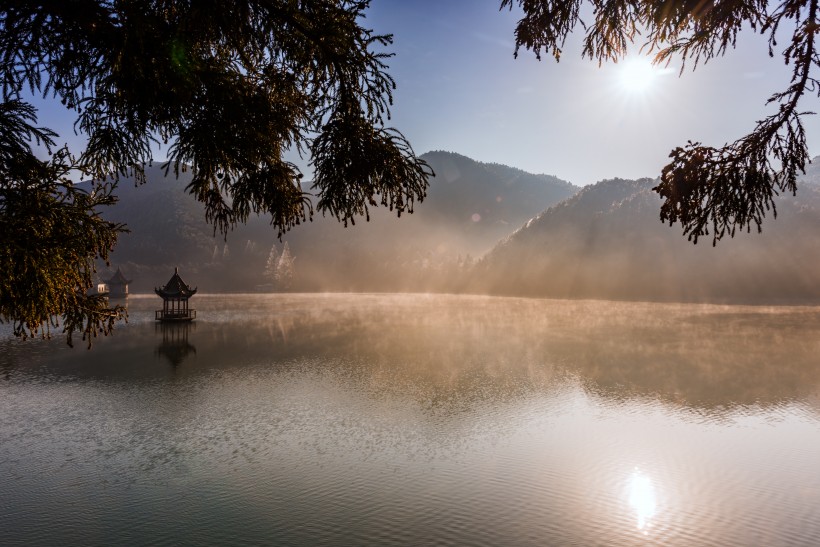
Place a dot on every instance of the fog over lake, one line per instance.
(417, 419)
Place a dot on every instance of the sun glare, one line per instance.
(637, 75)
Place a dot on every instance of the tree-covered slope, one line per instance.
(607, 242)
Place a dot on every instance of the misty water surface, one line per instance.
(418, 419)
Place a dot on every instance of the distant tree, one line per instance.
(704, 188)
(284, 269)
(230, 86)
(270, 265)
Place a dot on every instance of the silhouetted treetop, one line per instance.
(230, 86)
(704, 188)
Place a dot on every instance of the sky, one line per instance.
(460, 89)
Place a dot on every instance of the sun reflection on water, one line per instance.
(642, 499)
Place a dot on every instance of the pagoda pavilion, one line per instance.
(175, 295)
(117, 285)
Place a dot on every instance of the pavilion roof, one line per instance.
(175, 288)
(117, 279)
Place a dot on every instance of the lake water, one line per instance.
(417, 420)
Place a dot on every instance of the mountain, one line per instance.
(469, 207)
(485, 201)
(812, 174)
(607, 242)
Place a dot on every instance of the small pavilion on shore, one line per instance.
(175, 295)
(117, 285)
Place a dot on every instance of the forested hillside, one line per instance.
(607, 242)
(470, 206)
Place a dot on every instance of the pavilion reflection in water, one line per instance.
(175, 345)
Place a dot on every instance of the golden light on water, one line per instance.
(642, 499)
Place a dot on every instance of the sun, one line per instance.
(637, 75)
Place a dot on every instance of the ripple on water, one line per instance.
(452, 426)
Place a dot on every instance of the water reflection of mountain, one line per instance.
(450, 353)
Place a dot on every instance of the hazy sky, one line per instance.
(461, 90)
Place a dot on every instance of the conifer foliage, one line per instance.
(270, 265)
(279, 269)
(50, 235)
(710, 191)
(285, 269)
(228, 86)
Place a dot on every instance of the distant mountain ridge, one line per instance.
(498, 193)
(536, 235)
(469, 207)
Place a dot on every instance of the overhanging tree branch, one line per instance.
(230, 87)
(725, 189)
